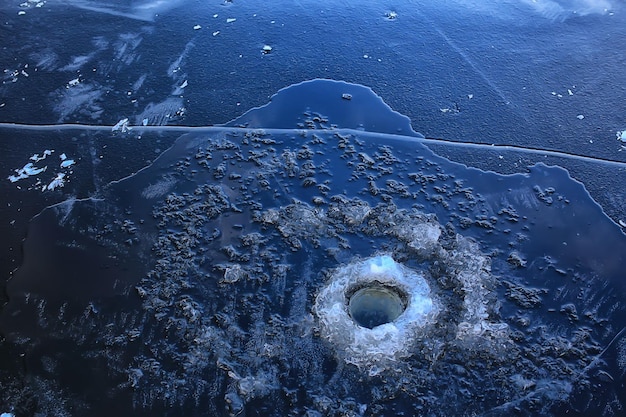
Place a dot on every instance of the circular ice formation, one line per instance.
(401, 296)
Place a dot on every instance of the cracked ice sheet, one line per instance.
(190, 206)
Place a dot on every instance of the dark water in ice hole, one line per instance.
(188, 286)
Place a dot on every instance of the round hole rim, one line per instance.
(394, 293)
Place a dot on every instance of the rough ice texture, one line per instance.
(374, 348)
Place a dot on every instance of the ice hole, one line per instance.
(376, 305)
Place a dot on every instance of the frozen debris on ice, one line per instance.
(122, 126)
(33, 3)
(26, 171)
(144, 122)
(73, 83)
(391, 15)
(621, 136)
(346, 96)
(58, 181)
(570, 92)
(14, 75)
(267, 49)
(30, 170)
(184, 84)
(38, 158)
(452, 110)
(65, 162)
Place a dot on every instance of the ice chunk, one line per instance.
(230, 20)
(196, 27)
(65, 161)
(382, 264)
(391, 15)
(38, 158)
(26, 171)
(58, 181)
(621, 136)
(122, 126)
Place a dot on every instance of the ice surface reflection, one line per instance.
(191, 285)
(145, 10)
(552, 10)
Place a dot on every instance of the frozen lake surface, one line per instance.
(188, 268)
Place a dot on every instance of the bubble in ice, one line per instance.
(314, 257)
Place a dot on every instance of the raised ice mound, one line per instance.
(373, 347)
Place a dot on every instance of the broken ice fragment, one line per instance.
(580, 117)
(230, 20)
(38, 158)
(28, 170)
(73, 82)
(267, 49)
(391, 15)
(121, 125)
(67, 163)
(621, 136)
(57, 182)
(196, 27)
